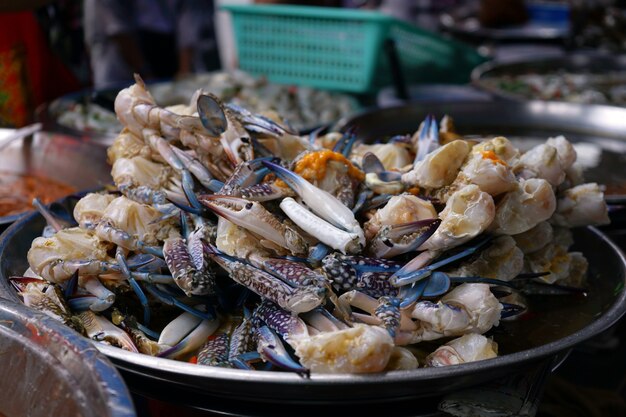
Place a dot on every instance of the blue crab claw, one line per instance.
(319, 201)
(188, 184)
(398, 239)
(345, 143)
(361, 198)
(408, 275)
(120, 257)
(244, 360)
(212, 115)
(70, 287)
(82, 302)
(511, 310)
(298, 299)
(198, 170)
(428, 138)
(318, 252)
(171, 300)
(409, 294)
(184, 334)
(252, 216)
(314, 134)
(272, 350)
(375, 202)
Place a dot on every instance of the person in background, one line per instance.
(154, 38)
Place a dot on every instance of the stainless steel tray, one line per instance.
(236, 392)
(76, 162)
(578, 63)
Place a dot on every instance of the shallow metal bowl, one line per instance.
(49, 370)
(237, 392)
(78, 163)
(576, 63)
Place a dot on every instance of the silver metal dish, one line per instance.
(236, 392)
(48, 370)
(587, 63)
(78, 163)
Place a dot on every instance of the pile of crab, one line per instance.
(231, 241)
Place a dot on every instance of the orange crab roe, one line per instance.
(312, 166)
(492, 155)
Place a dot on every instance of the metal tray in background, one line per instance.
(577, 63)
(598, 132)
(76, 162)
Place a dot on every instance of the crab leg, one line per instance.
(185, 334)
(100, 329)
(272, 350)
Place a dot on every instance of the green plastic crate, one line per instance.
(342, 49)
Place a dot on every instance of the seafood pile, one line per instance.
(231, 241)
(301, 107)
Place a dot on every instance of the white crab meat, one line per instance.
(467, 348)
(531, 203)
(46, 255)
(140, 221)
(468, 308)
(583, 205)
(394, 157)
(534, 239)
(404, 208)
(468, 213)
(488, 171)
(359, 349)
(440, 167)
(89, 209)
(543, 162)
(501, 260)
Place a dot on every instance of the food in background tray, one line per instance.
(301, 107)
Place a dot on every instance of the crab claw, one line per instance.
(272, 350)
(100, 329)
(297, 299)
(185, 334)
(254, 217)
(345, 143)
(321, 202)
(428, 138)
(325, 232)
(393, 240)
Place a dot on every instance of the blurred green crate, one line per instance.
(342, 49)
